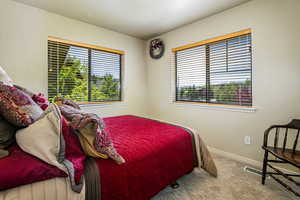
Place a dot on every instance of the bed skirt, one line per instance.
(52, 189)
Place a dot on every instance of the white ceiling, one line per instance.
(139, 18)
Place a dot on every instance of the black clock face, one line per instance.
(157, 48)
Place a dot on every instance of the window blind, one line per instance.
(83, 74)
(218, 72)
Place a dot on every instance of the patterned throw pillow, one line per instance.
(30, 93)
(41, 100)
(17, 107)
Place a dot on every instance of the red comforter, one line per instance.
(156, 155)
(20, 168)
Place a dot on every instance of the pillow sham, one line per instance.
(51, 140)
(17, 107)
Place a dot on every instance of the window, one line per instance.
(216, 71)
(83, 73)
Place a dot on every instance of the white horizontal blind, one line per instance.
(83, 74)
(105, 76)
(219, 72)
(191, 74)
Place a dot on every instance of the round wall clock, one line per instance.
(157, 48)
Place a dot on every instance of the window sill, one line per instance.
(84, 104)
(235, 108)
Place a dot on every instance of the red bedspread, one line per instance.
(156, 155)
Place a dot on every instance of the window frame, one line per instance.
(89, 48)
(206, 44)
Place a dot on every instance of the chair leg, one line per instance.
(264, 171)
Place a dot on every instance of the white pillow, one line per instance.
(5, 78)
(42, 138)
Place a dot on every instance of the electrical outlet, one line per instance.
(247, 140)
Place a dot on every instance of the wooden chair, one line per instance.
(285, 151)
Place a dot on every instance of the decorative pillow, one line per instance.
(41, 100)
(30, 93)
(17, 107)
(7, 136)
(5, 78)
(51, 140)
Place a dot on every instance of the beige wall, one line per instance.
(276, 75)
(23, 52)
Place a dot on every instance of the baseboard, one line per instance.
(236, 157)
(242, 159)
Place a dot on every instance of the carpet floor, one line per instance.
(233, 183)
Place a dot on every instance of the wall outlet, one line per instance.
(247, 140)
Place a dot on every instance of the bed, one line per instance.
(156, 154)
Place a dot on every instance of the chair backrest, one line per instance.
(285, 136)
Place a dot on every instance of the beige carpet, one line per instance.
(233, 183)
